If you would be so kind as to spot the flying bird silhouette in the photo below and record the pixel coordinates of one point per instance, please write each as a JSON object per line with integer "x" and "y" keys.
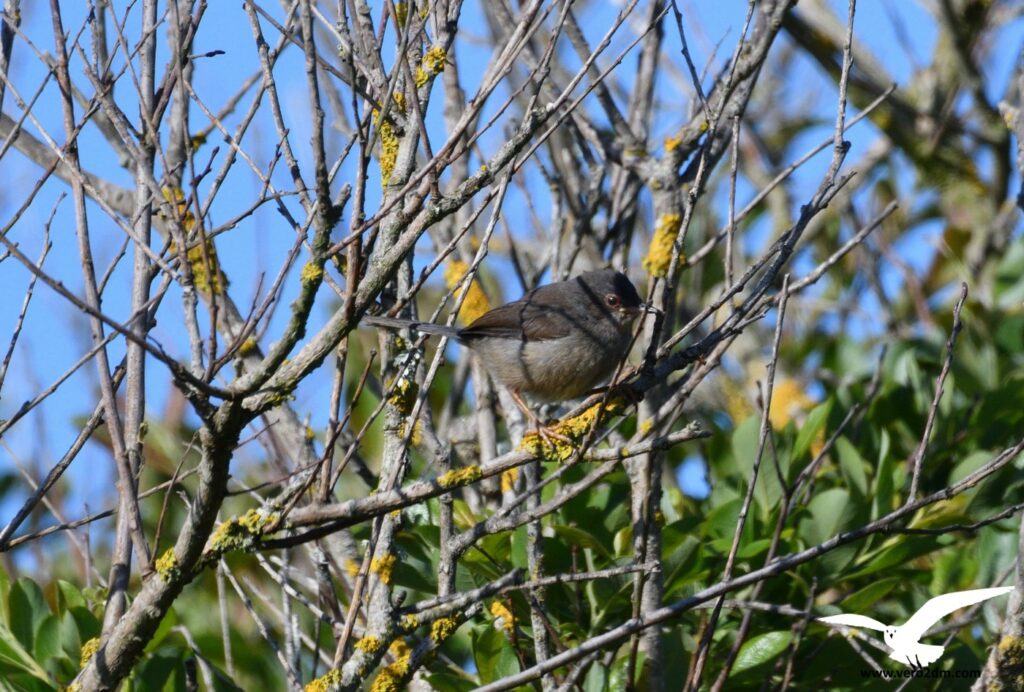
{"x": 904, "y": 641}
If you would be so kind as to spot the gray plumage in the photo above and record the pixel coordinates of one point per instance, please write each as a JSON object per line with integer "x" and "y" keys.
{"x": 557, "y": 342}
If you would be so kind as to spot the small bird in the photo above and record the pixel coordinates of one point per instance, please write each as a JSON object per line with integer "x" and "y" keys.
{"x": 556, "y": 342}
{"x": 905, "y": 639}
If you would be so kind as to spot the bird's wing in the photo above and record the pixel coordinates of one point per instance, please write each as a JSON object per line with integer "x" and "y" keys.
{"x": 534, "y": 317}
{"x": 851, "y": 620}
{"x": 939, "y": 607}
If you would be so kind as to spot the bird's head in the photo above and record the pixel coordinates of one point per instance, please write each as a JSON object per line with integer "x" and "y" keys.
{"x": 616, "y": 294}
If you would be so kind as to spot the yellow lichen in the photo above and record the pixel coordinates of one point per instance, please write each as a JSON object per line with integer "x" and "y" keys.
{"x": 503, "y": 618}
{"x": 409, "y": 622}
{"x": 388, "y": 152}
{"x": 382, "y": 567}
{"x": 351, "y": 567}
{"x": 399, "y": 648}
{"x": 88, "y": 649}
{"x": 1010, "y": 657}
{"x": 659, "y": 255}
{"x": 167, "y": 565}
{"x": 443, "y": 628}
{"x": 310, "y": 434}
{"x": 421, "y": 76}
{"x": 434, "y": 60}
{"x": 459, "y": 477}
{"x": 325, "y": 682}
{"x": 403, "y": 395}
{"x": 432, "y": 64}
{"x": 417, "y": 433}
{"x": 645, "y": 427}
{"x": 574, "y": 428}
{"x": 508, "y": 480}
{"x": 399, "y": 98}
{"x": 401, "y": 12}
{"x": 198, "y": 261}
{"x": 240, "y": 533}
{"x": 311, "y": 273}
{"x": 247, "y": 347}
{"x": 476, "y": 303}
{"x": 176, "y": 196}
{"x": 391, "y": 678}
{"x": 197, "y": 141}
{"x": 672, "y": 143}
{"x": 369, "y": 644}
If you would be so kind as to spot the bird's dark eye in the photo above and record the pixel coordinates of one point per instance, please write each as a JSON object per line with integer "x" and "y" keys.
{"x": 612, "y": 300}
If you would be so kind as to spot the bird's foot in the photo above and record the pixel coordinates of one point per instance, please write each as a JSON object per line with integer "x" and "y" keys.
{"x": 547, "y": 441}
{"x": 549, "y": 434}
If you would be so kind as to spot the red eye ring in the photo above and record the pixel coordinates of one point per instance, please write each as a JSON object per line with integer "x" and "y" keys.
{"x": 612, "y": 300}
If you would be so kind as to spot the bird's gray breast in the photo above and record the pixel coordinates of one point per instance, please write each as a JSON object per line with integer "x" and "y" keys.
{"x": 555, "y": 369}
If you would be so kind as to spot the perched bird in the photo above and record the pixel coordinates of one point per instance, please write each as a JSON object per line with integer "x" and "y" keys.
{"x": 905, "y": 640}
{"x": 556, "y": 342}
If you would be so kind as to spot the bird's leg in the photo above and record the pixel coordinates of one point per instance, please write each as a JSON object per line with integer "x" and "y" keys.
{"x": 545, "y": 432}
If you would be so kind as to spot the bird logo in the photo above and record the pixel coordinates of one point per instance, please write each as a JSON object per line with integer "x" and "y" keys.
{"x": 904, "y": 641}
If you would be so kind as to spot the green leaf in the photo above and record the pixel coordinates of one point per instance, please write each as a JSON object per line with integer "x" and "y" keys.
{"x": 744, "y": 449}
{"x": 852, "y": 465}
{"x": 577, "y": 536}
{"x": 968, "y": 465}
{"x": 882, "y": 502}
{"x": 47, "y": 639}
{"x": 5, "y": 591}
{"x": 618, "y": 679}
{"x": 14, "y": 658}
{"x": 68, "y": 596}
{"x": 761, "y": 649}
{"x": 901, "y": 553}
{"x": 721, "y": 520}
{"x": 596, "y": 679}
{"x": 28, "y": 608}
{"x": 155, "y": 673}
{"x": 753, "y": 549}
{"x": 493, "y": 655}
{"x": 812, "y": 426}
{"x": 70, "y": 640}
{"x": 862, "y": 600}
{"x": 520, "y": 540}
{"x": 830, "y": 510}
{"x": 446, "y": 682}
{"x": 163, "y": 629}
{"x": 86, "y": 622}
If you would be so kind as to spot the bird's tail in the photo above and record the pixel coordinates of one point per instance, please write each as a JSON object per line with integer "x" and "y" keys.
{"x": 423, "y": 327}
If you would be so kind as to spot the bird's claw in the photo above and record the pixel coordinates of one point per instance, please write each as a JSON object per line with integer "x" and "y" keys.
{"x": 548, "y": 434}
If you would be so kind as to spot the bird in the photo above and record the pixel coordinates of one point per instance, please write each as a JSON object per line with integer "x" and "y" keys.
{"x": 904, "y": 641}
{"x": 555, "y": 343}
